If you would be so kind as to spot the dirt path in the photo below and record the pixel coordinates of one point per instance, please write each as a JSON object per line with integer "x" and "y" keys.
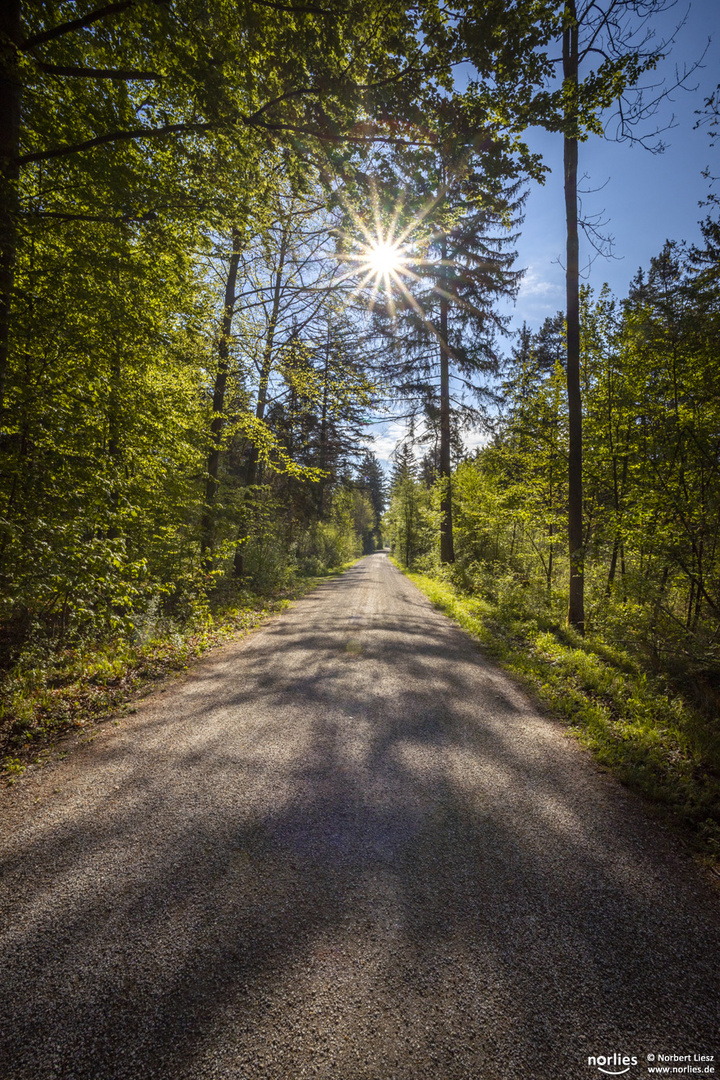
{"x": 344, "y": 847}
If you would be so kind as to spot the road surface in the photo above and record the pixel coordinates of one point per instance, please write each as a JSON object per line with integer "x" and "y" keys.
{"x": 346, "y": 846}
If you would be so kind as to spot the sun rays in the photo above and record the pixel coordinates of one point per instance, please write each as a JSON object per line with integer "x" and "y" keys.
{"x": 386, "y": 257}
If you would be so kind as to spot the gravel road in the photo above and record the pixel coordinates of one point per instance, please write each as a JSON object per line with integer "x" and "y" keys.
{"x": 346, "y": 846}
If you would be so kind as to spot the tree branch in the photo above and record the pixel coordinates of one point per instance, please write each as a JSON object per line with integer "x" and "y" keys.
{"x": 326, "y": 136}
{"x": 299, "y": 9}
{"x": 98, "y": 73}
{"x": 112, "y": 137}
{"x": 117, "y": 219}
{"x": 76, "y": 24}
{"x": 250, "y": 120}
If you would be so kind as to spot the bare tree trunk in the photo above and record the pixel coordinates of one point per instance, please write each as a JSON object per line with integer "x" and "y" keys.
{"x": 113, "y": 444}
{"x": 549, "y": 575}
{"x": 576, "y": 610}
{"x": 656, "y": 611}
{"x": 267, "y": 360}
{"x": 323, "y": 456}
{"x": 10, "y": 90}
{"x": 218, "y": 420}
{"x": 617, "y": 543}
{"x": 251, "y": 471}
{"x": 447, "y": 549}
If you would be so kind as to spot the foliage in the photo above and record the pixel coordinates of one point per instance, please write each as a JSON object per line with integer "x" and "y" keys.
{"x": 638, "y": 728}
{"x": 50, "y": 694}
{"x": 412, "y": 521}
{"x": 643, "y": 685}
{"x": 191, "y": 364}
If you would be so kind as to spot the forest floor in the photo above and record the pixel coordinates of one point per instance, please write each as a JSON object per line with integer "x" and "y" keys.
{"x": 50, "y": 694}
{"x": 638, "y": 725}
{"x": 346, "y": 846}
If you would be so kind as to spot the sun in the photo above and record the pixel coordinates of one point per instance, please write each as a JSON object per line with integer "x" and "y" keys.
{"x": 383, "y": 259}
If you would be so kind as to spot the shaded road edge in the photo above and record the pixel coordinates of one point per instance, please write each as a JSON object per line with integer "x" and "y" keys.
{"x": 83, "y": 707}
{"x": 656, "y": 764}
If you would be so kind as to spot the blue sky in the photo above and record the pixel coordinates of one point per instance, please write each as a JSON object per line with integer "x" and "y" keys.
{"x": 647, "y": 198}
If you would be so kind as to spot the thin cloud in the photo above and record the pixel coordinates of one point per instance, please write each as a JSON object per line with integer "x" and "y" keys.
{"x": 535, "y": 285}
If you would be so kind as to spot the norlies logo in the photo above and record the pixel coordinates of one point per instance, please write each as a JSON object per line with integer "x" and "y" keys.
{"x": 610, "y": 1064}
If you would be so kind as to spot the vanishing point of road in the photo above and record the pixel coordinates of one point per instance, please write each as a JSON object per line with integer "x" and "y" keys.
{"x": 346, "y": 846}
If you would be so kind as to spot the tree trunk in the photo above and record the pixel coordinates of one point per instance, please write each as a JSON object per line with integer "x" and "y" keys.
{"x": 10, "y": 89}
{"x": 617, "y": 543}
{"x": 267, "y": 360}
{"x": 576, "y": 610}
{"x": 549, "y": 575}
{"x": 447, "y": 550}
{"x": 656, "y": 611}
{"x": 218, "y": 419}
{"x": 251, "y": 471}
{"x": 113, "y": 444}
{"x": 323, "y": 455}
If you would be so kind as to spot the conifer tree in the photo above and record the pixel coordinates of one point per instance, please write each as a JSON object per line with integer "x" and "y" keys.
{"x": 440, "y": 319}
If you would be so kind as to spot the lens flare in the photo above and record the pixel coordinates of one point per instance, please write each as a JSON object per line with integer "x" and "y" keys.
{"x": 384, "y": 259}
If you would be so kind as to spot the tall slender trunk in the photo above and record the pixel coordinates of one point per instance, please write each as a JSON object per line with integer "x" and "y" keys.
{"x": 268, "y": 352}
{"x": 576, "y": 610}
{"x": 656, "y": 610}
{"x": 114, "y": 408}
{"x": 700, "y": 584}
{"x": 447, "y": 549}
{"x": 323, "y": 455}
{"x": 551, "y": 526}
{"x": 549, "y": 574}
{"x": 251, "y": 471}
{"x": 10, "y": 90}
{"x": 617, "y": 543}
{"x": 113, "y": 443}
{"x": 218, "y": 419}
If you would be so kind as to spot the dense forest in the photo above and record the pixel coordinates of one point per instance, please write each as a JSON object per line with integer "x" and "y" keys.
{"x": 651, "y": 449}
{"x": 236, "y": 237}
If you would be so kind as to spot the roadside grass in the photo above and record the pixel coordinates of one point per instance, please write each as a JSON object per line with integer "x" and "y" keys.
{"x": 648, "y": 737}
{"x": 46, "y": 696}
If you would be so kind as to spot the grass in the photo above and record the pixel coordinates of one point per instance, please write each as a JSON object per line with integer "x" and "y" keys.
{"x": 648, "y": 737}
{"x": 44, "y": 697}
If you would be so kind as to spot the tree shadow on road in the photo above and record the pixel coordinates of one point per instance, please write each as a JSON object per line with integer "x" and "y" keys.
{"x": 375, "y": 862}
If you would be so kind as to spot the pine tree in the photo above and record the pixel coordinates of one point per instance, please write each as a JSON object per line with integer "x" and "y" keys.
{"x": 440, "y": 320}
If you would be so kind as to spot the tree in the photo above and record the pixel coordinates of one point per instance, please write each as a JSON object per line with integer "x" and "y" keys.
{"x": 208, "y": 85}
{"x": 371, "y": 480}
{"x": 218, "y": 396}
{"x": 605, "y": 48}
{"x": 406, "y": 520}
{"x": 438, "y": 315}
{"x": 612, "y": 38}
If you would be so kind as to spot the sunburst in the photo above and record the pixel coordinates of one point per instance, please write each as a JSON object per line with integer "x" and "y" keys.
{"x": 385, "y": 260}
{"x": 382, "y": 259}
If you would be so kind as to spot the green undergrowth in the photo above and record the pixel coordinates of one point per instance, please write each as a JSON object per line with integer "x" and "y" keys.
{"x": 49, "y": 694}
{"x": 646, "y": 735}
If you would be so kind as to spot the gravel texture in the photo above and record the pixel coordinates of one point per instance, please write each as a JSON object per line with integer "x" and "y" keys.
{"x": 346, "y": 846}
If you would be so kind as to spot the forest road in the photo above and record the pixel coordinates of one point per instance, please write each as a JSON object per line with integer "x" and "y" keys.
{"x": 346, "y": 846}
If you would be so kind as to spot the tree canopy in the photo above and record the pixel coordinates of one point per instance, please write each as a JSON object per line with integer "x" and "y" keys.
{"x": 197, "y": 339}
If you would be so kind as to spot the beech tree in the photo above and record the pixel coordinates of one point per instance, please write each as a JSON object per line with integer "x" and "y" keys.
{"x": 208, "y": 86}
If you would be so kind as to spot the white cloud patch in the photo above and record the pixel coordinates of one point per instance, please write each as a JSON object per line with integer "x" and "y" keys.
{"x": 389, "y": 435}
{"x": 473, "y": 440}
{"x": 533, "y": 284}
{"x": 387, "y": 438}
